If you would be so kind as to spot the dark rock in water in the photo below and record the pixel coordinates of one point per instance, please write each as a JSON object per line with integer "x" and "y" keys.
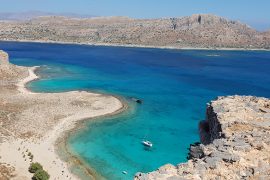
{"x": 137, "y": 100}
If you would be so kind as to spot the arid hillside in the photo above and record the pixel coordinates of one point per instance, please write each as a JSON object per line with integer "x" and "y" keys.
{"x": 197, "y": 31}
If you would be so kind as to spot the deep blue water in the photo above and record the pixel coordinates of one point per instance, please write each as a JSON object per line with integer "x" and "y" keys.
{"x": 175, "y": 86}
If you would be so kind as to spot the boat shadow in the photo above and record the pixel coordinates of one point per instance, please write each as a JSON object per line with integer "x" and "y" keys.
{"x": 149, "y": 149}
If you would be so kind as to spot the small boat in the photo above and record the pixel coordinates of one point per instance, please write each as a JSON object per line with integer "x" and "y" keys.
{"x": 124, "y": 172}
{"x": 147, "y": 143}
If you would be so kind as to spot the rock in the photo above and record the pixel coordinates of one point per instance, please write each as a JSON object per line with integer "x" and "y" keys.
{"x": 244, "y": 148}
{"x": 204, "y": 132}
{"x": 169, "y": 168}
{"x": 137, "y": 100}
{"x": 211, "y": 162}
{"x": 195, "y": 151}
{"x": 4, "y": 59}
{"x": 140, "y": 176}
{"x": 175, "y": 178}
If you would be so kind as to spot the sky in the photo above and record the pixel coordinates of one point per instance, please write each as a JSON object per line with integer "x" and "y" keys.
{"x": 253, "y": 12}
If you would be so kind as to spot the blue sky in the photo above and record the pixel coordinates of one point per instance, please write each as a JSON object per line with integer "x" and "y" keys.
{"x": 254, "y": 12}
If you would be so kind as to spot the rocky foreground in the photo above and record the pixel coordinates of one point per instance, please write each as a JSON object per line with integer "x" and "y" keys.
{"x": 235, "y": 143}
{"x": 196, "y": 31}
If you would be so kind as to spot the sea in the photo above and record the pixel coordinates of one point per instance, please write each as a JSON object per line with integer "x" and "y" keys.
{"x": 174, "y": 87}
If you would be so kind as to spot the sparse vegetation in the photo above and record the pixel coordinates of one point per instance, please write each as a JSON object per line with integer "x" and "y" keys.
{"x": 34, "y": 167}
{"x": 31, "y": 157}
{"x": 39, "y": 172}
{"x": 41, "y": 175}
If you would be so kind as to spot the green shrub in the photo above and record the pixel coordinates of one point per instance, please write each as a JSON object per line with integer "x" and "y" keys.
{"x": 41, "y": 175}
{"x": 34, "y": 167}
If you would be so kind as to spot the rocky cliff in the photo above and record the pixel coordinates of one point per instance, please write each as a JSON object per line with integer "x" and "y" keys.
{"x": 235, "y": 143}
{"x": 9, "y": 72}
{"x": 196, "y": 31}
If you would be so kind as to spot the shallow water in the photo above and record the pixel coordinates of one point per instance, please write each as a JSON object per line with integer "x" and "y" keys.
{"x": 175, "y": 86}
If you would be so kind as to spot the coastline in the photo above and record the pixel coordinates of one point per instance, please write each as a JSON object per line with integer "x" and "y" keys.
{"x": 32, "y": 76}
{"x": 138, "y": 46}
{"x": 72, "y": 128}
{"x": 45, "y": 148}
{"x": 66, "y": 154}
{"x": 66, "y": 133}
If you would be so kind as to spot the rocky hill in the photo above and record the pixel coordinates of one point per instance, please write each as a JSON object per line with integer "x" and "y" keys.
{"x": 266, "y": 34}
{"x": 196, "y": 31}
{"x": 27, "y": 15}
{"x": 235, "y": 143}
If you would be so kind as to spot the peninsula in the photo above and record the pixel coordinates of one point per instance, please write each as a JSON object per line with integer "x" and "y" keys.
{"x": 202, "y": 31}
{"x": 31, "y": 123}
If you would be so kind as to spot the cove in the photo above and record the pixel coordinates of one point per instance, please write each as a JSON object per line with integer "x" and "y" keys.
{"x": 174, "y": 85}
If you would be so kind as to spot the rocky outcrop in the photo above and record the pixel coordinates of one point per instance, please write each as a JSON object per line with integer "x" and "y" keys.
{"x": 235, "y": 143}
{"x": 4, "y": 59}
{"x": 9, "y": 71}
{"x": 196, "y": 31}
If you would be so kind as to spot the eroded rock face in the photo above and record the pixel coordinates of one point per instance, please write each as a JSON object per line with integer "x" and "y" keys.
{"x": 236, "y": 143}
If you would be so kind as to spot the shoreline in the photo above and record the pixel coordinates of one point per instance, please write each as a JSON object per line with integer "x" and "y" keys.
{"x": 31, "y": 77}
{"x": 137, "y": 46}
{"x": 45, "y": 148}
{"x": 66, "y": 133}
{"x": 67, "y": 153}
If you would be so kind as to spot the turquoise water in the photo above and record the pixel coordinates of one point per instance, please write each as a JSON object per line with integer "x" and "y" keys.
{"x": 175, "y": 86}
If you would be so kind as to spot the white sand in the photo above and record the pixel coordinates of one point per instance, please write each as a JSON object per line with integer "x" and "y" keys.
{"x": 43, "y": 149}
{"x": 32, "y": 76}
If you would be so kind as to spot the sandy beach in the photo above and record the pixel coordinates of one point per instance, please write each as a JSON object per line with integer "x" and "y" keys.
{"x": 33, "y": 122}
